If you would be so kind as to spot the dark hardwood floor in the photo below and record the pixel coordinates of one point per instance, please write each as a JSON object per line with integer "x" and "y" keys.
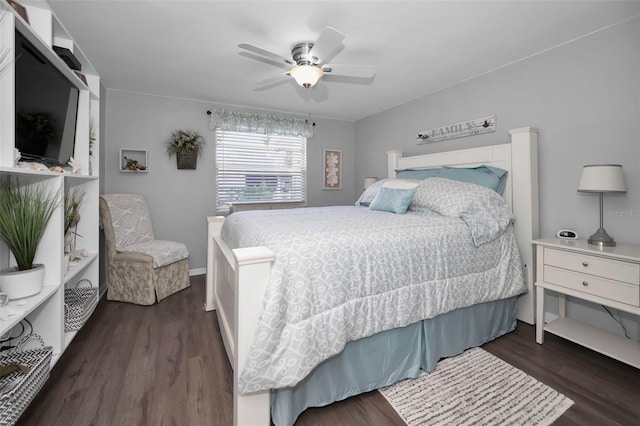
{"x": 165, "y": 365}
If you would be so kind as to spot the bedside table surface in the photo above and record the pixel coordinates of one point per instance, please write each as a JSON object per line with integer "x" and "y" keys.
{"x": 621, "y": 251}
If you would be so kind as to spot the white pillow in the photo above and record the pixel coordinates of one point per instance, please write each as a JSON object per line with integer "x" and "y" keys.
{"x": 401, "y": 183}
{"x": 370, "y": 193}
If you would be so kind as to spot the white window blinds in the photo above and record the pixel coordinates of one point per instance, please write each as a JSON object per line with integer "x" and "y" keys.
{"x": 254, "y": 167}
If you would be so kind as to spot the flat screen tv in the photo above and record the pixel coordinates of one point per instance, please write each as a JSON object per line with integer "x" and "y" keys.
{"x": 46, "y": 108}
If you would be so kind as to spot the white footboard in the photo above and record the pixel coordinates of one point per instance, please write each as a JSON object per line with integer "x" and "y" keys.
{"x": 236, "y": 282}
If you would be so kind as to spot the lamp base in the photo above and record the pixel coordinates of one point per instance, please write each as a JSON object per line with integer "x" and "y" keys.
{"x": 602, "y": 239}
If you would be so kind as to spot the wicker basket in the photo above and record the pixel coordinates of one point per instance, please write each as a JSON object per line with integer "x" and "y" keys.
{"x": 17, "y": 390}
{"x": 79, "y": 303}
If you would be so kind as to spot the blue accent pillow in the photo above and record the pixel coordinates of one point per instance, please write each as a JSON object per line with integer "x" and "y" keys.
{"x": 417, "y": 173}
{"x": 490, "y": 177}
{"x": 393, "y": 200}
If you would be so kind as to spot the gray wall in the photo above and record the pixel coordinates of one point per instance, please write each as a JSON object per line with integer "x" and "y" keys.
{"x": 585, "y": 99}
{"x": 180, "y": 200}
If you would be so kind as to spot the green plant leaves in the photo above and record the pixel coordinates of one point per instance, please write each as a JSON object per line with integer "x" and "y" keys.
{"x": 25, "y": 211}
{"x": 184, "y": 141}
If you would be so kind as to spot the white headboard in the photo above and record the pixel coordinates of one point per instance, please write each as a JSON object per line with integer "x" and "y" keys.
{"x": 520, "y": 159}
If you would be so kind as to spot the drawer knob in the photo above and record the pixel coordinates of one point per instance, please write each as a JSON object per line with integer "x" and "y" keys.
{"x": 585, "y": 283}
{"x": 585, "y": 264}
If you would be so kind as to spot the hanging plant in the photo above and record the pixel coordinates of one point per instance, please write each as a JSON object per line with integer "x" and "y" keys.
{"x": 187, "y": 145}
{"x": 185, "y": 142}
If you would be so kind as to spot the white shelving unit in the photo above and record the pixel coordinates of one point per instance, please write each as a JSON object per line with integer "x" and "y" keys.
{"x": 45, "y": 311}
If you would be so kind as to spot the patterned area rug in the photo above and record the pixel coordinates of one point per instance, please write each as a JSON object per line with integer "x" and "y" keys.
{"x": 475, "y": 388}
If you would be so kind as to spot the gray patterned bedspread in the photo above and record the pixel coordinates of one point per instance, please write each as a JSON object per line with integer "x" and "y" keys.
{"x": 344, "y": 273}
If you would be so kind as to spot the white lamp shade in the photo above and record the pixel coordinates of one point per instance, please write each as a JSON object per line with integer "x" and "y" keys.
{"x": 369, "y": 181}
{"x": 602, "y": 178}
{"x": 306, "y": 75}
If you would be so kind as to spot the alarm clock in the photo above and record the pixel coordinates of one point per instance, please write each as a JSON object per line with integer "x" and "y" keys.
{"x": 567, "y": 234}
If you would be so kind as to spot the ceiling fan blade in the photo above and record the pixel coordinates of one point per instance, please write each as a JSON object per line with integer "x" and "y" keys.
{"x": 272, "y": 80}
{"x": 360, "y": 71}
{"x": 269, "y": 55}
{"x": 264, "y": 60}
{"x": 329, "y": 42}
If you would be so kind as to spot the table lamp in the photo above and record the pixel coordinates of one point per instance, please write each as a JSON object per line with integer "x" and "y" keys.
{"x": 602, "y": 178}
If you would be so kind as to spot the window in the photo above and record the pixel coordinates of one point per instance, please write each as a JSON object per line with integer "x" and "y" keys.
{"x": 254, "y": 167}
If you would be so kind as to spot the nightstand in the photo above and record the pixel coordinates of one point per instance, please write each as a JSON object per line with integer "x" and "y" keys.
{"x": 608, "y": 276}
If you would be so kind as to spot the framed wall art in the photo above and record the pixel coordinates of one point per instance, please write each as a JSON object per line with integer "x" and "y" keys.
{"x": 134, "y": 160}
{"x": 332, "y": 169}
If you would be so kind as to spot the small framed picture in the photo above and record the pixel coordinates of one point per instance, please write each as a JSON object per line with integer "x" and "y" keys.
{"x": 134, "y": 160}
{"x": 332, "y": 169}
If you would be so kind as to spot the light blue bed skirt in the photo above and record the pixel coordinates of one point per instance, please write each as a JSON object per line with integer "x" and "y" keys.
{"x": 390, "y": 356}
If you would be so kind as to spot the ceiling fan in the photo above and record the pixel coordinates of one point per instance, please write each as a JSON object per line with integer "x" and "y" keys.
{"x": 308, "y": 62}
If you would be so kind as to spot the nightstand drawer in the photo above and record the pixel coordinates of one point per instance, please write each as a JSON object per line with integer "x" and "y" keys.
{"x": 593, "y": 265}
{"x": 590, "y": 284}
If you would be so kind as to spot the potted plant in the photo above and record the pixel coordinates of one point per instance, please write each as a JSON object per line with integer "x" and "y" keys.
{"x": 187, "y": 145}
{"x": 72, "y": 202}
{"x": 92, "y": 139}
{"x": 25, "y": 211}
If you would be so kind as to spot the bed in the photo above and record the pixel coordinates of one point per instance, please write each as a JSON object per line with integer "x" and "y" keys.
{"x": 244, "y": 286}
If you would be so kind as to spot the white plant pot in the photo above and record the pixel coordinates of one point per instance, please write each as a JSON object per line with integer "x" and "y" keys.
{"x": 18, "y": 284}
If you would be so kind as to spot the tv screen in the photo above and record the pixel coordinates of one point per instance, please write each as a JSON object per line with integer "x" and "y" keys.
{"x": 46, "y": 108}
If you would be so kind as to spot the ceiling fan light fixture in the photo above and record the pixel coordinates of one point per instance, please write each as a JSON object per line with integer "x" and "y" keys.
{"x": 306, "y": 75}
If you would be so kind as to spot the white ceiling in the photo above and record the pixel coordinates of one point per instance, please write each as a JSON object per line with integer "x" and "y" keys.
{"x": 188, "y": 49}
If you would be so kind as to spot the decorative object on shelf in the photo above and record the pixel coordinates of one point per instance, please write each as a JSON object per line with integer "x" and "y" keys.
{"x": 134, "y": 160}
{"x": 81, "y": 77}
{"x": 602, "y": 178}
{"x": 79, "y": 303}
{"x": 458, "y": 130}
{"x": 20, "y": 9}
{"x": 332, "y": 169}
{"x": 18, "y": 388}
{"x": 32, "y": 165}
{"x": 68, "y": 57}
{"x": 24, "y": 214}
{"x": 77, "y": 256}
{"x": 72, "y": 203}
{"x": 19, "y": 284}
{"x": 75, "y": 165}
{"x": 187, "y": 145}
{"x": 132, "y": 165}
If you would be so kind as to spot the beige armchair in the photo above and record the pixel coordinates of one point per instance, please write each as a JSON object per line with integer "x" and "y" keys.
{"x": 141, "y": 269}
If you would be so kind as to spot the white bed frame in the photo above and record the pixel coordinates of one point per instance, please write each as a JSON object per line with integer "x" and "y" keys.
{"x": 236, "y": 279}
